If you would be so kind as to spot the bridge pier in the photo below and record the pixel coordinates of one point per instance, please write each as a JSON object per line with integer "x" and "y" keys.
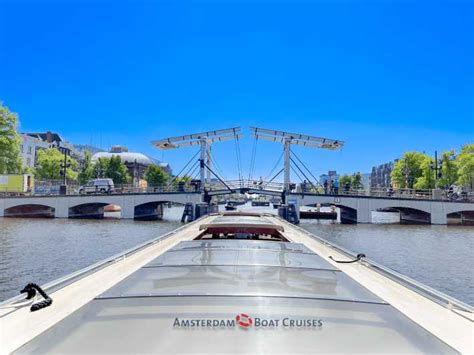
{"x": 364, "y": 212}
{"x": 439, "y": 218}
{"x": 61, "y": 209}
{"x": 128, "y": 211}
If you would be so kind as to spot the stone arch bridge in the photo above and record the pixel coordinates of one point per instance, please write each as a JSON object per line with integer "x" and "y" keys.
{"x": 133, "y": 205}
{"x": 358, "y": 209}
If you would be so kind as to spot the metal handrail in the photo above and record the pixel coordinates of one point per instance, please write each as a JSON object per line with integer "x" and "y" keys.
{"x": 427, "y": 291}
{"x": 63, "y": 281}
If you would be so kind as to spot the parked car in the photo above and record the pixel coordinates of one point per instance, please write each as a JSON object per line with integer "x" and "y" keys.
{"x": 103, "y": 186}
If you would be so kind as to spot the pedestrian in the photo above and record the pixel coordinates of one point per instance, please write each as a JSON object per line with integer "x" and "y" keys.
{"x": 303, "y": 186}
{"x": 325, "y": 187}
{"x": 336, "y": 186}
{"x": 347, "y": 187}
{"x": 331, "y": 187}
{"x": 390, "y": 190}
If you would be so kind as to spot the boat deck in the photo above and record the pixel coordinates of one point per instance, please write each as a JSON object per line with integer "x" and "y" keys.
{"x": 179, "y": 294}
{"x": 191, "y": 298}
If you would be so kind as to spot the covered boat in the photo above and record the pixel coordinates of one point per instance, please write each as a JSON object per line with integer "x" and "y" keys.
{"x": 237, "y": 283}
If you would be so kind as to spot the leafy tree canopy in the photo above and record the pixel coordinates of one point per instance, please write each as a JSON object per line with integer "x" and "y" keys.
{"x": 409, "y": 169}
{"x": 10, "y": 160}
{"x": 112, "y": 168}
{"x": 87, "y": 171}
{"x": 155, "y": 175}
{"x": 48, "y": 165}
{"x": 344, "y": 180}
{"x": 356, "y": 181}
{"x": 465, "y": 165}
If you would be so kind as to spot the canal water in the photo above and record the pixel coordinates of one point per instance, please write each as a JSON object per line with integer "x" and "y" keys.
{"x": 41, "y": 250}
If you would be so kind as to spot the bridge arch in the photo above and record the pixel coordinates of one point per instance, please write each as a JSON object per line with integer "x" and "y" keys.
{"x": 32, "y": 210}
{"x": 347, "y": 214}
{"x": 409, "y": 215}
{"x": 461, "y": 217}
{"x": 152, "y": 210}
{"x": 89, "y": 210}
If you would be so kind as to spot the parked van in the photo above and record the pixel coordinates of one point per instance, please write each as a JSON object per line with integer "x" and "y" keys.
{"x": 103, "y": 186}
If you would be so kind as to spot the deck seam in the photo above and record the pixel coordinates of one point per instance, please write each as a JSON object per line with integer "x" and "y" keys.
{"x": 241, "y": 296}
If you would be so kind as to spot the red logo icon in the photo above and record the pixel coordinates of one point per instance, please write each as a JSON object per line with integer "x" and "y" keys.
{"x": 244, "y": 320}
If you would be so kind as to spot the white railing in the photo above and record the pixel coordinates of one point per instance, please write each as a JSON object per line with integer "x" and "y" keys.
{"x": 48, "y": 188}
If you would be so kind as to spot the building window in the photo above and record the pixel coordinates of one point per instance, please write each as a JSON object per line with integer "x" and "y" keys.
{"x": 29, "y": 149}
{"x": 28, "y": 161}
{"x": 21, "y": 147}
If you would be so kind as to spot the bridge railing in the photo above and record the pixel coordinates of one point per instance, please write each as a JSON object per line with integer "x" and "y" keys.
{"x": 247, "y": 184}
{"x": 129, "y": 188}
{"x": 424, "y": 194}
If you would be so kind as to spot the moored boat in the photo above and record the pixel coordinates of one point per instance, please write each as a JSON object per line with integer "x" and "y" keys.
{"x": 230, "y": 206}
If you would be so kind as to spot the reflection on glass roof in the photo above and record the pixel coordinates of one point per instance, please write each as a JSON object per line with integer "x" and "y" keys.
{"x": 241, "y": 281}
{"x": 220, "y": 256}
{"x": 230, "y": 282}
{"x": 242, "y": 244}
{"x": 148, "y": 325}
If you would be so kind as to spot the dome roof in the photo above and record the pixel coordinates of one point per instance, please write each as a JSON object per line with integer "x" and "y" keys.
{"x": 126, "y": 157}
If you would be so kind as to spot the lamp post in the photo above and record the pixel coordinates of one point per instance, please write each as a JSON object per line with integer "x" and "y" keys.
{"x": 63, "y": 172}
{"x": 437, "y": 166}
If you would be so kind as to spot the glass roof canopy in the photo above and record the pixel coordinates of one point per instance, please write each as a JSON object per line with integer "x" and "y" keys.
{"x": 272, "y": 283}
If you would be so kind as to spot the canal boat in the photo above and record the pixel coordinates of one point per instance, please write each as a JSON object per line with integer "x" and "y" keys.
{"x": 260, "y": 203}
{"x": 310, "y": 214}
{"x": 235, "y": 283}
{"x": 230, "y": 206}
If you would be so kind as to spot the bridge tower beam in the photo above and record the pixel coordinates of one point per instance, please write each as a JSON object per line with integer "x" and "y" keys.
{"x": 286, "y": 167}
{"x": 209, "y": 165}
{"x": 201, "y": 163}
{"x": 204, "y": 140}
{"x": 288, "y": 139}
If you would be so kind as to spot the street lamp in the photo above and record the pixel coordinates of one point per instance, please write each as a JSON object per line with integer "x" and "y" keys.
{"x": 63, "y": 172}
{"x": 437, "y": 166}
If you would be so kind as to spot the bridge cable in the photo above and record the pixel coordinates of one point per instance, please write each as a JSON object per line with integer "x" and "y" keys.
{"x": 192, "y": 169}
{"x": 217, "y": 166}
{"x": 296, "y": 172}
{"x": 217, "y": 176}
{"x": 189, "y": 162}
{"x": 302, "y": 172}
{"x": 252, "y": 159}
{"x": 274, "y": 177}
{"x": 314, "y": 177}
{"x": 237, "y": 153}
{"x": 274, "y": 167}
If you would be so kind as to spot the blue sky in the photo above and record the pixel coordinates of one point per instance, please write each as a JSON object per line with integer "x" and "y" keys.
{"x": 384, "y": 76}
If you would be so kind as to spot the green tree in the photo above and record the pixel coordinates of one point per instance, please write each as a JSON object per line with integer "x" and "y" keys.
{"x": 48, "y": 165}
{"x": 449, "y": 172}
{"x": 10, "y": 161}
{"x": 427, "y": 180}
{"x": 343, "y": 180}
{"x": 87, "y": 171}
{"x": 117, "y": 170}
{"x": 100, "y": 168}
{"x": 155, "y": 175}
{"x": 356, "y": 181}
{"x": 411, "y": 167}
{"x": 177, "y": 179}
{"x": 465, "y": 165}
